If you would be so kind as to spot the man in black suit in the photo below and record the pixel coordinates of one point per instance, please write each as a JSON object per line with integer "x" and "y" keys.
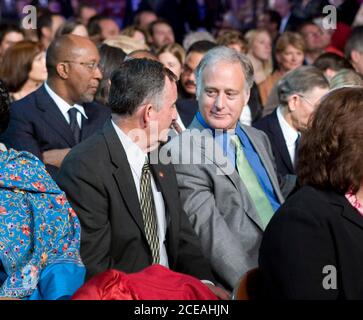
{"x": 54, "y": 118}
{"x": 299, "y": 92}
{"x": 127, "y": 223}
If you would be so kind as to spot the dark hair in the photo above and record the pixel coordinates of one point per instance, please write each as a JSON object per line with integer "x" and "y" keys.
{"x": 201, "y": 46}
{"x": 331, "y": 150}
{"x": 4, "y": 107}
{"x": 111, "y": 59}
{"x": 355, "y": 42}
{"x": 45, "y": 21}
{"x": 330, "y": 60}
{"x": 20, "y": 56}
{"x": 7, "y": 28}
{"x": 274, "y": 17}
{"x": 93, "y": 26}
{"x": 68, "y": 27}
{"x": 137, "y": 81}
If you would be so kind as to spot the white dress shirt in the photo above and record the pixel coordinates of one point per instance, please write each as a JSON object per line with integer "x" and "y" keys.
{"x": 64, "y": 106}
{"x": 136, "y": 158}
{"x": 289, "y": 133}
{"x": 246, "y": 116}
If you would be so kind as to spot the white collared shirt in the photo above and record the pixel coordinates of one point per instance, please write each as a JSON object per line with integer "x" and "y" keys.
{"x": 136, "y": 158}
{"x": 64, "y": 106}
{"x": 289, "y": 133}
{"x": 283, "y": 23}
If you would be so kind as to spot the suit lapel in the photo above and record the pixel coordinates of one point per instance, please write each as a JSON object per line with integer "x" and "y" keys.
{"x": 163, "y": 177}
{"x": 233, "y": 177}
{"x": 123, "y": 174}
{"x": 280, "y": 143}
{"x": 215, "y": 153}
{"x": 52, "y": 115}
{"x": 264, "y": 157}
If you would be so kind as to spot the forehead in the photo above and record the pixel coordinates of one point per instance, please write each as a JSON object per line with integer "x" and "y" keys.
{"x": 85, "y": 50}
{"x": 224, "y": 75}
{"x": 13, "y": 36}
{"x": 161, "y": 27}
{"x": 193, "y": 59}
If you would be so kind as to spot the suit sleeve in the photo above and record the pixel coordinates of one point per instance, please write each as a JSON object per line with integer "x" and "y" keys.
{"x": 92, "y": 209}
{"x": 296, "y": 247}
{"x": 20, "y": 134}
{"x": 190, "y": 259}
{"x": 220, "y": 243}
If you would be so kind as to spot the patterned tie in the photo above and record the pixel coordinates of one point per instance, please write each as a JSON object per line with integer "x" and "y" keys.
{"x": 73, "y": 123}
{"x": 148, "y": 212}
{"x": 249, "y": 178}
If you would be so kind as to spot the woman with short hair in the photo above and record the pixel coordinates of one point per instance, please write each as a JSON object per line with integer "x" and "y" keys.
{"x": 312, "y": 247}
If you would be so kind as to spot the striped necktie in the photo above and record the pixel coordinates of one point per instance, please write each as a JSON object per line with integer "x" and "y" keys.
{"x": 149, "y": 213}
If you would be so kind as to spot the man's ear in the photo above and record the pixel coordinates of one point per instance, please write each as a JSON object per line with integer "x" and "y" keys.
{"x": 292, "y": 102}
{"x": 147, "y": 114}
{"x": 63, "y": 70}
{"x": 355, "y": 56}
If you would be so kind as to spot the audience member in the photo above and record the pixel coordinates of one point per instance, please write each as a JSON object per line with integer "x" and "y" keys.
{"x": 259, "y": 51}
{"x": 47, "y": 25}
{"x": 299, "y": 93}
{"x": 9, "y": 34}
{"x": 312, "y": 36}
{"x": 289, "y": 52}
{"x": 226, "y": 175}
{"x": 72, "y": 26}
{"x": 30, "y": 72}
{"x": 186, "y": 104}
{"x": 126, "y": 199}
{"x": 172, "y": 56}
{"x": 127, "y": 44}
{"x": 311, "y": 248}
{"x": 233, "y": 39}
{"x": 58, "y": 115}
{"x": 330, "y": 63}
{"x": 40, "y": 232}
{"x": 136, "y": 33}
{"x": 101, "y": 28}
{"x": 110, "y": 60}
{"x": 161, "y": 33}
{"x": 354, "y": 49}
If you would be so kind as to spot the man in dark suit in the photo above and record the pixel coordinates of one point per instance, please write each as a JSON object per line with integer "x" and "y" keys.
{"x": 299, "y": 92}
{"x": 126, "y": 199}
{"x": 54, "y": 118}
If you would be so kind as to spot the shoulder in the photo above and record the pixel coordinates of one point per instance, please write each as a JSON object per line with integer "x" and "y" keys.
{"x": 97, "y": 107}
{"x": 312, "y": 203}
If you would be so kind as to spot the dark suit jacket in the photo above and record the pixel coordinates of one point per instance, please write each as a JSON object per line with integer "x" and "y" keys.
{"x": 313, "y": 229}
{"x": 98, "y": 181}
{"x": 37, "y": 125}
{"x": 271, "y": 126}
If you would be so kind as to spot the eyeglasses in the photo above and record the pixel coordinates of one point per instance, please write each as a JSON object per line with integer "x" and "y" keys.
{"x": 307, "y": 100}
{"x": 90, "y": 65}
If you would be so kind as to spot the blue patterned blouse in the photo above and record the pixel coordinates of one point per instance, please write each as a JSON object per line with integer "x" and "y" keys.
{"x": 39, "y": 232}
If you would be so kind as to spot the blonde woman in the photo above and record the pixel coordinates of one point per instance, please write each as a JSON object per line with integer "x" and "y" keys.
{"x": 259, "y": 51}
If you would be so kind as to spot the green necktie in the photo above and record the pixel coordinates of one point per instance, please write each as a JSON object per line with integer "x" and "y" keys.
{"x": 148, "y": 212}
{"x": 249, "y": 178}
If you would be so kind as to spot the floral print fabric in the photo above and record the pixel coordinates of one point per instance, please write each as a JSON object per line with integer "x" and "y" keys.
{"x": 38, "y": 229}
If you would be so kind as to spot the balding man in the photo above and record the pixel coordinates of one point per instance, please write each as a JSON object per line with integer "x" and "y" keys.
{"x": 54, "y": 118}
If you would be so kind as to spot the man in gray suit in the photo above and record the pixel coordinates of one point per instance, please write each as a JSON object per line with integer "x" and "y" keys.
{"x": 226, "y": 172}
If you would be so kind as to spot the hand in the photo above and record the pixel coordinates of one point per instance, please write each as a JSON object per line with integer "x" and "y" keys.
{"x": 219, "y": 292}
{"x": 55, "y": 157}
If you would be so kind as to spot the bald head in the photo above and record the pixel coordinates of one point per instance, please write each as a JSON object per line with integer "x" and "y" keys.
{"x": 67, "y": 48}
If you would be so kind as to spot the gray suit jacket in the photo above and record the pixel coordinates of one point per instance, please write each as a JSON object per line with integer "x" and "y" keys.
{"x": 216, "y": 201}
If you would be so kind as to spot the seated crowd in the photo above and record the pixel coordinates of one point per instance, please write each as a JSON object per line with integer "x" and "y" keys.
{"x": 129, "y": 159}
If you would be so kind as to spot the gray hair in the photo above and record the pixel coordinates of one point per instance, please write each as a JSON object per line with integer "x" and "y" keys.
{"x": 355, "y": 42}
{"x": 224, "y": 54}
{"x": 300, "y": 80}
